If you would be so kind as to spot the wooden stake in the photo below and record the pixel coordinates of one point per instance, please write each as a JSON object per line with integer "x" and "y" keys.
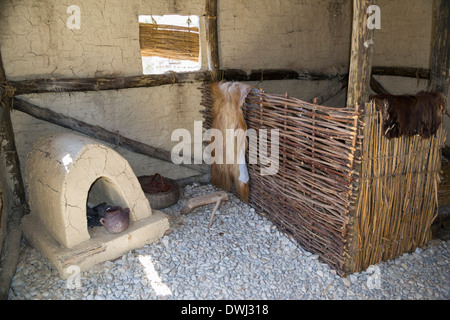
{"x": 100, "y": 133}
{"x": 193, "y": 203}
{"x": 440, "y": 47}
{"x": 212, "y": 42}
{"x": 440, "y": 55}
{"x": 11, "y": 166}
{"x": 204, "y": 178}
{"x": 358, "y": 92}
{"x": 361, "y": 55}
{"x": 213, "y": 213}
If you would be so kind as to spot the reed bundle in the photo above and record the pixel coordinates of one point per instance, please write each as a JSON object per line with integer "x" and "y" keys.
{"x": 342, "y": 191}
{"x": 398, "y": 198}
{"x": 167, "y": 41}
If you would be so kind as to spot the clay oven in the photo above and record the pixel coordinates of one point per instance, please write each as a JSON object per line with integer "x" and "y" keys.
{"x": 65, "y": 173}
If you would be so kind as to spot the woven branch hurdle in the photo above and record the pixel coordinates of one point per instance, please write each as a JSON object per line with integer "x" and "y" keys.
{"x": 167, "y": 41}
{"x": 342, "y": 191}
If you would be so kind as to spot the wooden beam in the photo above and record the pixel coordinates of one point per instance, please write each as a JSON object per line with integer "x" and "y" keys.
{"x": 212, "y": 41}
{"x": 97, "y": 84}
{"x": 440, "y": 47}
{"x": 202, "y": 179}
{"x": 438, "y": 74}
{"x": 439, "y": 77}
{"x": 358, "y": 95}
{"x": 11, "y": 166}
{"x": 100, "y": 133}
{"x": 361, "y": 55}
{"x": 418, "y": 73}
{"x": 377, "y": 87}
{"x": 332, "y": 92}
{"x": 277, "y": 74}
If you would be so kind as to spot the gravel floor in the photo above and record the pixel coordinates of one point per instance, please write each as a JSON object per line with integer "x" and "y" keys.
{"x": 242, "y": 256}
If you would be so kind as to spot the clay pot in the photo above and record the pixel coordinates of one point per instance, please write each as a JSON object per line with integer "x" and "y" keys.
{"x": 160, "y": 191}
{"x": 116, "y": 219}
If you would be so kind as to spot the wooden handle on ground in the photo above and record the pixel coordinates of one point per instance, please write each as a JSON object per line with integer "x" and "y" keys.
{"x": 202, "y": 200}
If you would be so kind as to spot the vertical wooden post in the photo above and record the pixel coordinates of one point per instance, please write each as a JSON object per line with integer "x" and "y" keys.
{"x": 440, "y": 47}
{"x": 212, "y": 41}
{"x": 361, "y": 55}
{"x": 11, "y": 166}
{"x": 439, "y": 58}
{"x": 357, "y": 96}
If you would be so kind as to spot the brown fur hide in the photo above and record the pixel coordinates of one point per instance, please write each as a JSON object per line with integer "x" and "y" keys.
{"x": 228, "y": 98}
{"x": 411, "y": 114}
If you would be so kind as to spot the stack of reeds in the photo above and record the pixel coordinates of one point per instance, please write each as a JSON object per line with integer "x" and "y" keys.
{"x": 167, "y": 41}
{"x": 342, "y": 191}
{"x": 398, "y": 198}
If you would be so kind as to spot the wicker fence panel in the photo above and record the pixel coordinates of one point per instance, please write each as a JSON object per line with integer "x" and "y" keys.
{"x": 343, "y": 190}
{"x": 311, "y": 195}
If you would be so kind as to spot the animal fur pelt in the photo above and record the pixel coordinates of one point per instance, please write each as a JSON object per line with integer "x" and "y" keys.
{"x": 411, "y": 114}
{"x": 228, "y": 98}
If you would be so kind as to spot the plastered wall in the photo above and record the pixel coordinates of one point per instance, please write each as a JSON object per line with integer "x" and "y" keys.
{"x": 310, "y": 35}
{"x": 36, "y": 43}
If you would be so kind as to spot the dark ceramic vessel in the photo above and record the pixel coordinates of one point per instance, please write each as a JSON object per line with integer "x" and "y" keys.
{"x": 116, "y": 220}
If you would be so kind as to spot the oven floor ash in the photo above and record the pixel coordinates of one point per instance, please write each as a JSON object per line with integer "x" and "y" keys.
{"x": 242, "y": 256}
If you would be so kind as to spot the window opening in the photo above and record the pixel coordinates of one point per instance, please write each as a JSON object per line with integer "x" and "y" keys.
{"x": 169, "y": 43}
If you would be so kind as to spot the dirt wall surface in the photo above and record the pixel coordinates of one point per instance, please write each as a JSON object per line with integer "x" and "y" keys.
{"x": 36, "y": 41}
{"x": 306, "y": 35}
{"x": 309, "y": 35}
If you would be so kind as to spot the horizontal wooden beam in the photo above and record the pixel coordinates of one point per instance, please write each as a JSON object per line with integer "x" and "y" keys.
{"x": 407, "y": 72}
{"x": 97, "y": 84}
{"x": 276, "y": 74}
{"x": 204, "y": 178}
{"x": 100, "y": 133}
{"x": 145, "y": 81}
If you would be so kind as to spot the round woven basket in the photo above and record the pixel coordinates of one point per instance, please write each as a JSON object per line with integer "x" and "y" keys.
{"x": 161, "y": 199}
